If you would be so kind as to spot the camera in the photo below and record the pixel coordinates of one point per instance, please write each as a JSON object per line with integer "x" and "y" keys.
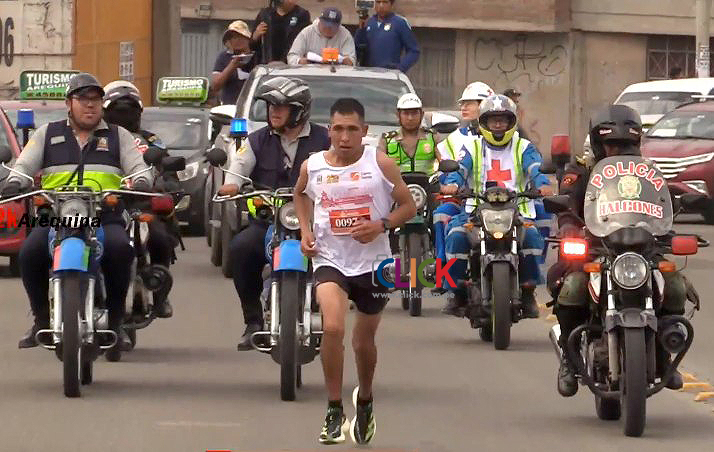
{"x": 363, "y": 7}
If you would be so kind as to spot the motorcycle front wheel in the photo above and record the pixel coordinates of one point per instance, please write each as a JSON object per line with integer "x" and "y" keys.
{"x": 290, "y": 297}
{"x": 71, "y": 287}
{"x": 634, "y": 376}
{"x": 411, "y": 296}
{"x": 501, "y": 305}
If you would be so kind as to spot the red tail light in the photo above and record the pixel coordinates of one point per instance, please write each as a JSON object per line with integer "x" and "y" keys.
{"x": 162, "y": 205}
{"x": 574, "y": 248}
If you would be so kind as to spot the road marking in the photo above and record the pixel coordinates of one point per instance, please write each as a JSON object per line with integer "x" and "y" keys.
{"x": 704, "y": 396}
{"x": 197, "y": 424}
{"x": 697, "y": 386}
{"x": 689, "y": 378}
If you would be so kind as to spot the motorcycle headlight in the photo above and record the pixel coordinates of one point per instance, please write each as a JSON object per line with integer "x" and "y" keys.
{"x": 630, "y": 271}
{"x": 418, "y": 194}
{"x": 188, "y": 173}
{"x": 74, "y": 208}
{"x": 288, "y": 217}
{"x": 497, "y": 221}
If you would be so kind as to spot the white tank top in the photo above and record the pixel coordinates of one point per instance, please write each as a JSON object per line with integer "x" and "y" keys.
{"x": 341, "y": 196}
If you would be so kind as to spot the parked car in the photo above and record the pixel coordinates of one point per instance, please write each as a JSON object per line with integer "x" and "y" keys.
{"x": 45, "y": 111}
{"x": 11, "y": 234}
{"x": 378, "y": 89}
{"x": 186, "y": 133}
{"x": 682, "y": 146}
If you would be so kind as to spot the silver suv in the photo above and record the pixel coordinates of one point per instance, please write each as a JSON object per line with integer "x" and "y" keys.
{"x": 377, "y": 89}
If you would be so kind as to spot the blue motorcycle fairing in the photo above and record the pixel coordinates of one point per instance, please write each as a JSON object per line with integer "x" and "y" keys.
{"x": 98, "y": 234}
{"x": 71, "y": 254}
{"x": 288, "y": 256}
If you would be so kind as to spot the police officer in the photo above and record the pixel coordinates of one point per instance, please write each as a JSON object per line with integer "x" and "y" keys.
{"x": 499, "y": 155}
{"x": 108, "y": 153}
{"x": 270, "y": 156}
{"x": 123, "y": 107}
{"x": 616, "y": 130}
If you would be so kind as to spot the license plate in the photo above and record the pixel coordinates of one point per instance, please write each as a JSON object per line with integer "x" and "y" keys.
{"x": 342, "y": 221}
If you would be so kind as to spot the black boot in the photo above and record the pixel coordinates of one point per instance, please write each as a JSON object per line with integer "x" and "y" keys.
{"x": 528, "y": 303}
{"x": 455, "y": 305}
{"x": 244, "y": 343}
{"x": 163, "y": 309}
{"x": 567, "y": 382}
{"x": 28, "y": 340}
{"x": 663, "y": 362}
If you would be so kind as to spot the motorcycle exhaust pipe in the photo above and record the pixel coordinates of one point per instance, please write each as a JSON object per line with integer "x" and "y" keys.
{"x": 554, "y": 335}
{"x": 673, "y": 337}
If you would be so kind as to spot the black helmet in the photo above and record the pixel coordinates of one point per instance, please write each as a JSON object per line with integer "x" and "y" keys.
{"x": 81, "y": 81}
{"x": 288, "y": 91}
{"x": 618, "y": 123}
{"x": 121, "y": 89}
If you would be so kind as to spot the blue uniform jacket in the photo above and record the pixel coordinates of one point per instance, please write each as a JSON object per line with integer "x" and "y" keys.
{"x": 385, "y": 41}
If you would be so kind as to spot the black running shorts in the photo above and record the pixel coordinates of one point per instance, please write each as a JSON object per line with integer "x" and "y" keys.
{"x": 370, "y": 298}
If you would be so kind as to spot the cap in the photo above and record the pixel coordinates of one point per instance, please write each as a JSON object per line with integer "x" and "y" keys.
{"x": 511, "y": 92}
{"x": 332, "y": 16}
{"x": 409, "y": 101}
{"x": 239, "y": 27}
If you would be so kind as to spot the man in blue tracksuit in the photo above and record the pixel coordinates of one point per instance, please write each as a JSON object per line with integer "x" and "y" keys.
{"x": 499, "y": 156}
{"x": 382, "y": 39}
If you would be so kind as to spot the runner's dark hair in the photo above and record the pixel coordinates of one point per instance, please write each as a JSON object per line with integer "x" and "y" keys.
{"x": 347, "y": 106}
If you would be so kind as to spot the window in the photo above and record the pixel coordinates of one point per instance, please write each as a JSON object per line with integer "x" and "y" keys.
{"x": 667, "y": 52}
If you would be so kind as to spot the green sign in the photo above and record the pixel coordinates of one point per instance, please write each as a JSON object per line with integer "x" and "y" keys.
{"x": 44, "y": 85}
{"x": 182, "y": 90}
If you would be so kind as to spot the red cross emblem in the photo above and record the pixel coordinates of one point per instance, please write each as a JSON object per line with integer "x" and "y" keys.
{"x": 497, "y": 174}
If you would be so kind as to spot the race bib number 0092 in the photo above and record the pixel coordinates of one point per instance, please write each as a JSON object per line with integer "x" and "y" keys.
{"x": 342, "y": 221}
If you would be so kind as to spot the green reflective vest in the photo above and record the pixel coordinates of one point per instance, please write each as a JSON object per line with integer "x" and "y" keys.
{"x": 424, "y": 158}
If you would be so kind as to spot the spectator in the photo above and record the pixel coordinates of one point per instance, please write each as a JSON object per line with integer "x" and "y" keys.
{"x": 676, "y": 72}
{"x": 233, "y": 65}
{"x": 382, "y": 38}
{"x": 326, "y": 32}
{"x": 276, "y": 29}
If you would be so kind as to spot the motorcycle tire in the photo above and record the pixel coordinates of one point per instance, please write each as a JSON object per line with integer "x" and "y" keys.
{"x": 87, "y": 372}
{"x": 288, "y": 339}
{"x": 607, "y": 409}
{"x": 415, "y": 250}
{"x": 501, "y": 315}
{"x": 71, "y": 287}
{"x": 216, "y": 249}
{"x": 486, "y": 333}
{"x": 226, "y": 236}
{"x": 634, "y": 376}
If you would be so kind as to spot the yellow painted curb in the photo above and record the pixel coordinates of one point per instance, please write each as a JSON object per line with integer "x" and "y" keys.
{"x": 702, "y": 396}
{"x": 551, "y": 318}
{"x": 698, "y": 386}
{"x": 542, "y": 306}
{"x": 689, "y": 378}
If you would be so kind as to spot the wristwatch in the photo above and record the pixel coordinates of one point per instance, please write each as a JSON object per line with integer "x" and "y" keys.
{"x": 385, "y": 224}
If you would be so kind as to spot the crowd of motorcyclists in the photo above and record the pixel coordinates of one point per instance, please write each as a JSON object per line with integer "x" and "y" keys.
{"x": 102, "y": 141}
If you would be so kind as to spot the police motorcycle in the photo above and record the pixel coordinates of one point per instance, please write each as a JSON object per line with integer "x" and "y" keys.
{"x": 628, "y": 217}
{"x": 146, "y": 278}
{"x": 493, "y": 290}
{"x": 294, "y": 322}
{"x": 79, "y": 323}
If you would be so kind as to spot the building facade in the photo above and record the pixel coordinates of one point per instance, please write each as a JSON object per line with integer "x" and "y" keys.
{"x": 567, "y": 57}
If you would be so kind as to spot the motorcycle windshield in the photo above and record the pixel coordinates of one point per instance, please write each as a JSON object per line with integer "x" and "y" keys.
{"x": 627, "y": 192}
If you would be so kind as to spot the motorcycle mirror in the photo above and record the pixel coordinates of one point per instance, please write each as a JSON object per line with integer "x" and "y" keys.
{"x": 547, "y": 168}
{"x": 153, "y": 155}
{"x": 173, "y": 163}
{"x": 5, "y": 153}
{"x": 694, "y": 201}
{"x": 448, "y": 166}
{"x": 684, "y": 245}
{"x": 216, "y": 156}
{"x": 556, "y": 204}
{"x": 443, "y": 123}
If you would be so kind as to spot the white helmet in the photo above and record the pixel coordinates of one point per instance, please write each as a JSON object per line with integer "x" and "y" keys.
{"x": 409, "y": 101}
{"x": 476, "y": 91}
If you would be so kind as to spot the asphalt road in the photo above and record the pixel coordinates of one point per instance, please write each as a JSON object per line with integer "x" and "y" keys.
{"x": 438, "y": 387}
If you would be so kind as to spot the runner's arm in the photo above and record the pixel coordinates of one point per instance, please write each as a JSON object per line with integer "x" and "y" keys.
{"x": 303, "y": 209}
{"x": 406, "y": 208}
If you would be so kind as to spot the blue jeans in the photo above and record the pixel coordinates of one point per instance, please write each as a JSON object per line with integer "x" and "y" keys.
{"x": 458, "y": 247}
{"x": 441, "y": 217}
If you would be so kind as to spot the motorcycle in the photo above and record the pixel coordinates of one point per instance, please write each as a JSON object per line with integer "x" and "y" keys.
{"x": 492, "y": 285}
{"x": 78, "y": 321}
{"x": 415, "y": 238}
{"x": 147, "y": 278}
{"x": 628, "y": 217}
{"x": 294, "y": 323}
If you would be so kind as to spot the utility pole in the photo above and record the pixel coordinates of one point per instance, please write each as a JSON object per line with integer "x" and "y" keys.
{"x": 703, "y": 13}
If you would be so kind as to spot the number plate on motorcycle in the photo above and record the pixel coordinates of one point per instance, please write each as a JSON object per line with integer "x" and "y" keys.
{"x": 342, "y": 221}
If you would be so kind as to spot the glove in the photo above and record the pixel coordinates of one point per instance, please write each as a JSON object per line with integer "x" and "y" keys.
{"x": 142, "y": 185}
{"x": 11, "y": 189}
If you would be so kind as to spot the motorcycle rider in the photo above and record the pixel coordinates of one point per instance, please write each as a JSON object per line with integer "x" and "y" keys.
{"x": 123, "y": 107}
{"x": 500, "y": 156}
{"x": 108, "y": 153}
{"x": 469, "y": 103}
{"x": 270, "y": 156}
{"x": 616, "y": 130}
